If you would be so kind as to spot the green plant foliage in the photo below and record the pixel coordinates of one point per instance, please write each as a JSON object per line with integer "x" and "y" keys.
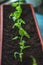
{"x": 22, "y": 42}
{"x": 22, "y": 32}
{"x": 21, "y": 21}
{"x": 34, "y": 60}
{"x": 14, "y": 38}
{"x": 22, "y": 45}
{"x": 16, "y": 25}
{"x": 17, "y": 14}
{"x": 15, "y": 4}
{"x": 18, "y": 21}
{"x": 18, "y": 8}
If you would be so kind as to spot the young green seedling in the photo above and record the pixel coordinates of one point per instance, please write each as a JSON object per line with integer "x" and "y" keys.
{"x": 34, "y": 60}
{"x": 18, "y": 21}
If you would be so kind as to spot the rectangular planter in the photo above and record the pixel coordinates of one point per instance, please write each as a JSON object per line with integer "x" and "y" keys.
{"x": 7, "y": 46}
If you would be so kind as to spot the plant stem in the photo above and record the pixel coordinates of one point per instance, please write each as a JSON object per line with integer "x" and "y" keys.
{"x": 21, "y": 38}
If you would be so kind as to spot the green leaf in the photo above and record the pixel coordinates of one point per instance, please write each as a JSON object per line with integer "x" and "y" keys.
{"x": 22, "y": 43}
{"x": 14, "y": 38}
{"x": 14, "y": 18}
{"x": 17, "y": 14}
{"x": 22, "y": 32}
{"x": 22, "y": 47}
{"x": 15, "y": 4}
{"x": 26, "y": 47}
{"x": 34, "y": 60}
{"x": 19, "y": 8}
{"x": 16, "y": 25}
{"x": 21, "y": 21}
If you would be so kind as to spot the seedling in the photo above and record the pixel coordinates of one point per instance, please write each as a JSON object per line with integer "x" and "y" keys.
{"x": 18, "y": 21}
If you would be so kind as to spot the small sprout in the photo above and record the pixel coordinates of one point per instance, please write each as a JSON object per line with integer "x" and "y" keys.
{"x": 34, "y": 60}
{"x": 15, "y": 53}
{"x": 14, "y": 38}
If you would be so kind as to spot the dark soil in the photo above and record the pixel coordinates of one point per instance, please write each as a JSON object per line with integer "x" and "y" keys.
{"x": 9, "y": 46}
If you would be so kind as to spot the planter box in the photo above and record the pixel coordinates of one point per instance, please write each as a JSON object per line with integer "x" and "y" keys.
{"x": 7, "y": 46}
